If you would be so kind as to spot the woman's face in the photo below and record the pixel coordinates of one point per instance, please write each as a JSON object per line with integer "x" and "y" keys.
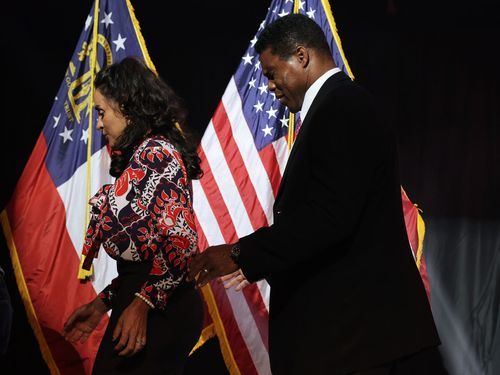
{"x": 110, "y": 119}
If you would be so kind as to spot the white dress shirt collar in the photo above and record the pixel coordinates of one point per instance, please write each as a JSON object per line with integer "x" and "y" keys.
{"x": 313, "y": 91}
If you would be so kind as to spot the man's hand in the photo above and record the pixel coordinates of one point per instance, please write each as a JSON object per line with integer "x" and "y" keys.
{"x": 215, "y": 261}
{"x": 236, "y": 279}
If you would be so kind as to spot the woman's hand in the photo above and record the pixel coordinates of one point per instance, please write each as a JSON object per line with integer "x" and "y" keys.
{"x": 84, "y": 320}
{"x": 234, "y": 279}
{"x": 130, "y": 330}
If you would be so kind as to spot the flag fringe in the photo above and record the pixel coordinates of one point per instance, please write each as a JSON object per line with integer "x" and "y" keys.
{"x": 225, "y": 348}
{"x": 140, "y": 38}
{"x": 333, "y": 27}
{"x": 25, "y": 296}
{"x": 421, "y": 235}
{"x": 207, "y": 333}
{"x": 83, "y": 274}
{"x": 291, "y": 131}
{"x": 420, "y": 231}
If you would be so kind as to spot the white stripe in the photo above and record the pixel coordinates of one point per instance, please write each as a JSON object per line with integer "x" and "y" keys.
{"x": 244, "y": 140}
{"x": 205, "y": 216}
{"x": 282, "y": 153}
{"x": 265, "y": 292}
{"x": 73, "y": 194}
{"x": 249, "y": 331}
{"x": 225, "y": 181}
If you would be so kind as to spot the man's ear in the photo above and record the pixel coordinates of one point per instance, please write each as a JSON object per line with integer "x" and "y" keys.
{"x": 303, "y": 56}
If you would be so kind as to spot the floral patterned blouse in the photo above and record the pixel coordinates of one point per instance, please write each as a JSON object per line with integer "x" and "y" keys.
{"x": 146, "y": 215}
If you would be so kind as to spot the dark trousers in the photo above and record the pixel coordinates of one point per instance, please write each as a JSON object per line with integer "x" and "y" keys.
{"x": 171, "y": 334}
{"x": 425, "y": 362}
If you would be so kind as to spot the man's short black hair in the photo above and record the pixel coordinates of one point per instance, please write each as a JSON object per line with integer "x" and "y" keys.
{"x": 285, "y": 34}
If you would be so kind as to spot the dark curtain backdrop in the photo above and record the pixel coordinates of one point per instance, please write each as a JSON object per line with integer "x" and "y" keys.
{"x": 434, "y": 71}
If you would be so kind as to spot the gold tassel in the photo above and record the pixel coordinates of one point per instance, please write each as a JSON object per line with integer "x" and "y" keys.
{"x": 83, "y": 273}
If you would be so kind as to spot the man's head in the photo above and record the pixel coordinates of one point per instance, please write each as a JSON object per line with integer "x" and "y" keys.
{"x": 293, "y": 52}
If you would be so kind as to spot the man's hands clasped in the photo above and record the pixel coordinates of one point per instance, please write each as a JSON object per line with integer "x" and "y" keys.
{"x": 214, "y": 262}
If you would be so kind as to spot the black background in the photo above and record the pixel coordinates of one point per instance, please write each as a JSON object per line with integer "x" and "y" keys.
{"x": 433, "y": 67}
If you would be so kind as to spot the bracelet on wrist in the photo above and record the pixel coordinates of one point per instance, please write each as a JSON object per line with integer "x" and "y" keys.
{"x": 145, "y": 300}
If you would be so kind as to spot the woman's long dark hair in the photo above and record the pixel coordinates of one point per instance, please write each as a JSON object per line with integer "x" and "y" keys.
{"x": 150, "y": 107}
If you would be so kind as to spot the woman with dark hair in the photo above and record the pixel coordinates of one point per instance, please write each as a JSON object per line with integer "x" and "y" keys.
{"x": 145, "y": 221}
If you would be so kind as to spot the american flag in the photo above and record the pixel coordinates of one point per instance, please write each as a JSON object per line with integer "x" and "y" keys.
{"x": 45, "y": 219}
{"x": 244, "y": 151}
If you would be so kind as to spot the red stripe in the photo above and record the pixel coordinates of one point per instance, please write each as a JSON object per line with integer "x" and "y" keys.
{"x": 234, "y": 160}
{"x": 270, "y": 161}
{"x": 202, "y": 239}
{"x": 50, "y": 263}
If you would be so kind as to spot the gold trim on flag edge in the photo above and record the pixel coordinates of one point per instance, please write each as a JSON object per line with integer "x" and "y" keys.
{"x": 25, "y": 295}
{"x": 83, "y": 274}
{"x": 333, "y": 28}
{"x": 140, "y": 38}
{"x": 421, "y": 235}
{"x": 225, "y": 348}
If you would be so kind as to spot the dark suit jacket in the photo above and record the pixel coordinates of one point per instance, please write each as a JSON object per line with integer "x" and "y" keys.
{"x": 346, "y": 294}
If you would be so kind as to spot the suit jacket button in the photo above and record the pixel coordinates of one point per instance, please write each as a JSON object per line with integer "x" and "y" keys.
{"x": 278, "y": 212}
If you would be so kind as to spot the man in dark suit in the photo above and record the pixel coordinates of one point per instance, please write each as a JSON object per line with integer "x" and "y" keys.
{"x": 346, "y": 295}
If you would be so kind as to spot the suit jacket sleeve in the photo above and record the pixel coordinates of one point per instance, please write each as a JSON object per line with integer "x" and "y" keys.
{"x": 342, "y": 162}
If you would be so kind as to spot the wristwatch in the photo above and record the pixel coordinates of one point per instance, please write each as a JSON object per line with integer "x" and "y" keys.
{"x": 235, "y": 252}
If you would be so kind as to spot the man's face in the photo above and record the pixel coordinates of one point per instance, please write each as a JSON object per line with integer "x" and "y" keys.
{"x": 287, "y": 79}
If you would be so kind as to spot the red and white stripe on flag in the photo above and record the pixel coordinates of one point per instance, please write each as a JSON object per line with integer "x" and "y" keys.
{"x": 233, "y": 199}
